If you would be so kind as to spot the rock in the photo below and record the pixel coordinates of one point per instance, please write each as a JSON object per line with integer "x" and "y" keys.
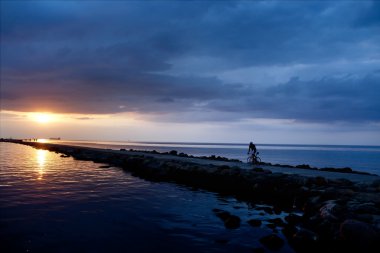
{"x": 230, "y": 221}
{"x": 271, "y": 225}
{"x": 293, "y": 219}
{"x": 254, "y": 223}
{"x": 320, "y": 181}
{"x": 376, "y": 183}
{"x": 303, "y": 166}
{"x": 259, "y": 169}
{"x": 258, "y": 250}
{"x": 272, "y": 242}
{"x": 330, "y": 211}
{"x": 363, "y": 217}
{"x": 366, "y": 197}
{"x": 277, "y": 210}
{"x": 359, "y": 236}
{"x": 277, "y": 222}
{"x": 173, "y": 152}
{"x": 306, "y": 235}
{"x": 376, "y": 222}
{"x": 289, "y": 230}
{"x": 364, "y": 208}
{"x": 304, "y": 240}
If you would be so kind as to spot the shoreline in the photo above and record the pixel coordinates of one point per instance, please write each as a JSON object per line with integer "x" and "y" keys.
{"x": 338, "y": 213}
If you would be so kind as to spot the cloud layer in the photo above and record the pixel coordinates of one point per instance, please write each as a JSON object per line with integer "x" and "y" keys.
{"x": 314, "y": 62}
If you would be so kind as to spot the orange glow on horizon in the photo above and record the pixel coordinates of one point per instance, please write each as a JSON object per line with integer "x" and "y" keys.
{"x": 42, "y": 118}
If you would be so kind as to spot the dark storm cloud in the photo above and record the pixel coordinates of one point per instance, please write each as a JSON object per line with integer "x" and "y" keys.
{"x": 98, "y": 57}
{"x": 327, "y": 99}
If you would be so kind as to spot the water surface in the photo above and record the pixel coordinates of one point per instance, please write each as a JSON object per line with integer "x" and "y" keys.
{"x": 54, "y": 204}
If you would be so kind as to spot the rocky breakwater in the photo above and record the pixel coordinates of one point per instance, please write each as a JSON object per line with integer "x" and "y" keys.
{"x": 337, "y": 215}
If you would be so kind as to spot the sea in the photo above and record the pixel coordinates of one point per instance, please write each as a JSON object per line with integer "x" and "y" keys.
{"x": 359, "y": 158}
{"x": 49, "y": 203}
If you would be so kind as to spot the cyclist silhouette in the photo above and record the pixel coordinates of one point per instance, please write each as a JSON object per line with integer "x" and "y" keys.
{"x": 253, "y": 154}
{"x": 252, "y": 147}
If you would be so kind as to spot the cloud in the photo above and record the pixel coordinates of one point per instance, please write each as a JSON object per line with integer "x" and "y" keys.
{"x": 193, "y": 61}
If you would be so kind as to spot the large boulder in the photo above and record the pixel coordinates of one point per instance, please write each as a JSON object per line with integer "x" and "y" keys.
{"x": 359, "y": 236}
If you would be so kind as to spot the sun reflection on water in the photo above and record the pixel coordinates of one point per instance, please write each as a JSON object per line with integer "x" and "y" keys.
{"x": 42, "y": 140}
{"x": 41, "y": 160}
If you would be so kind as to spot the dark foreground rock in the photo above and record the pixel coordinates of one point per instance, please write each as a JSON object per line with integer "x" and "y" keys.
{"x": 230, "y": 221}
{"x": 272, "y": 242}
{"x": 337, "y": 215}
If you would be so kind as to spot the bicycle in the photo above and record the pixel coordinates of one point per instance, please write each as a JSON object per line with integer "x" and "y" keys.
{"x": 254, "y": 158}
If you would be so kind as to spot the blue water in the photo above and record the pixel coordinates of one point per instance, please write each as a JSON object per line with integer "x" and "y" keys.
{"x": 360, "y": 158}
{"x": 54, "y": 204}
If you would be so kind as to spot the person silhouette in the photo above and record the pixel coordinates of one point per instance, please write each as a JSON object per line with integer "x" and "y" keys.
{"x": 252, "y": 147}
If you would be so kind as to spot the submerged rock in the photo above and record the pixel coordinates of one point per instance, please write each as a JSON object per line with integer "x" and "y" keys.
{"x": 230, "y": 221}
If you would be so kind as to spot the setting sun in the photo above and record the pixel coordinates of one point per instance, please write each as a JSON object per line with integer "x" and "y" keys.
{"x": 42, "y": 118}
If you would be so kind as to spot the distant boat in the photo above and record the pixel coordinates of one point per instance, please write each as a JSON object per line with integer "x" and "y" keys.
{"x": 54, "y": 138}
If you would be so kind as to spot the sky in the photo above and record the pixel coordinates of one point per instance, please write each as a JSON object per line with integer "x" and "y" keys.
{"x": 304, "y": 72}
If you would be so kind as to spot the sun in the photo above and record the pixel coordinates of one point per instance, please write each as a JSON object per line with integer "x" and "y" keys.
{"x": 42, "y": 118}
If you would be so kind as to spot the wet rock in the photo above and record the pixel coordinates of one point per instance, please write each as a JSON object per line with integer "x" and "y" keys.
{"x": 293, "y": 219}
{"x": 272, "y": 242}
{"x": 304, "y": 240}
{"x": 254, "y": 223}
{"x": 289, "y": 231}
{"x": 271, "y": 225}
{"x": 230, "y": 221}
{"x": 277, "y": 222}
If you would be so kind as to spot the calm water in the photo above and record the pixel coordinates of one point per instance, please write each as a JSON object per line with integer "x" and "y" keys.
{"x": 54, "y": 204}
{"x": 361, "y": 158}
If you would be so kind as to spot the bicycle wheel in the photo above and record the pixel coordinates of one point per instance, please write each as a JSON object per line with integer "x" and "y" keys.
{"x": 249, "y": 159}
{"x": 258, "y": 160}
